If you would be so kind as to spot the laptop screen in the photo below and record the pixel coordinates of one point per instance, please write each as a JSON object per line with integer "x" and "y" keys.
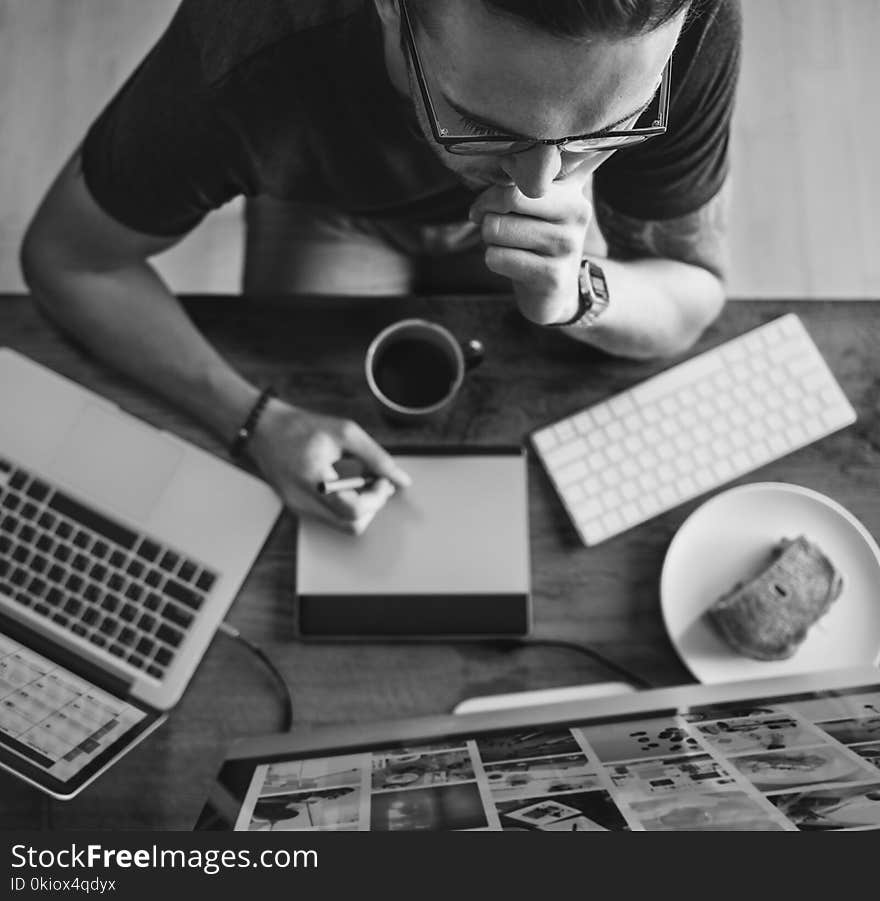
{"x": 779, "y": 761}
{"x": 57, "y": 729}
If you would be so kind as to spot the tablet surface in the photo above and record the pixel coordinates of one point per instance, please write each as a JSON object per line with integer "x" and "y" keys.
{"x": 449, "y": 555}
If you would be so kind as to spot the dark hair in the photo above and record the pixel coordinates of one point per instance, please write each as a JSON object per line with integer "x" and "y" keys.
{"x": 577, "y": 18}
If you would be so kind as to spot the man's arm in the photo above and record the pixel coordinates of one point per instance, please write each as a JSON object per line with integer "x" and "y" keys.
{"x": 91, "y": 275}
{"x": 665, "y": 279}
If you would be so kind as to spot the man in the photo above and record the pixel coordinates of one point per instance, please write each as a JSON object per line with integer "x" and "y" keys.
{"x": 382, "y": 134}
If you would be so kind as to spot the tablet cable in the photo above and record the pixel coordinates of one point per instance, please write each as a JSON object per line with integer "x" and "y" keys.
{"x": 266, "y": 660}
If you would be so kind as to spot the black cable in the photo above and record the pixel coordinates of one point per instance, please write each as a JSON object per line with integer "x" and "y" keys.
{"x": 515, "y": 644}
{"x": 233, "y": 633}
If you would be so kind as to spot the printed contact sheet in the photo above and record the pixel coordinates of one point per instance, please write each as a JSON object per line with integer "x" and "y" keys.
{"x": 810, "y": 764}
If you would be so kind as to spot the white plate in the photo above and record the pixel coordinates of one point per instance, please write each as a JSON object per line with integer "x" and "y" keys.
{"x": 729, "y": 537}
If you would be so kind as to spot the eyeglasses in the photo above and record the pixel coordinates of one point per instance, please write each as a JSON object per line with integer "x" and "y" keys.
{"x": 503, "y": 144}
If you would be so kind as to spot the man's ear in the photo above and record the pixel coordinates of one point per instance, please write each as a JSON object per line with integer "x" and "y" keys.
{"x": 389, "y": 12}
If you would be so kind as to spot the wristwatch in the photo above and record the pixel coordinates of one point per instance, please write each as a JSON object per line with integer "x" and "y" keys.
{"x": 593, "y": 296}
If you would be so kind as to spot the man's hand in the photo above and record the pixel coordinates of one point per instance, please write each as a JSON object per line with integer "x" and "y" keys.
{"x": 295, "y": 449}
{"x": 538, "y": 243}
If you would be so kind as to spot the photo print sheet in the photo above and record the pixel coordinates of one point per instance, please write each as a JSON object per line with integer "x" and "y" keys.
{"x": 809, "y": 763}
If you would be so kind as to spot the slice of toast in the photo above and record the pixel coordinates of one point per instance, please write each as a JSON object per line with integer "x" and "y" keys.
{"x": 767, "y": 618}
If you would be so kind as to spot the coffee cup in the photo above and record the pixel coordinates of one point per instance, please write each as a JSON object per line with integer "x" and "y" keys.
{"x": 415, "y": 368}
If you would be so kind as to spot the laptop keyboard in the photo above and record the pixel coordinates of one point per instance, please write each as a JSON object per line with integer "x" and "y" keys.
{"x": 110, "y": 586}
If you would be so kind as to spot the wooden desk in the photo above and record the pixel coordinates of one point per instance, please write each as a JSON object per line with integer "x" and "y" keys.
{"x": 608, "y": 596}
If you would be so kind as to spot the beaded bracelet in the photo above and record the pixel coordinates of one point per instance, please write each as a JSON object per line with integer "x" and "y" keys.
{"x": 243, "y": 435}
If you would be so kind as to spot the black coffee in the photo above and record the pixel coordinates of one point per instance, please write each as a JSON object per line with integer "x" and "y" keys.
{"x": 414, "y": 373}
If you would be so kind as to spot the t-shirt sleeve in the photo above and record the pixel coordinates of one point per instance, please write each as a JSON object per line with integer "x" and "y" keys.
{"x": 679, "y": 172}
{"x": 162, "y": 154}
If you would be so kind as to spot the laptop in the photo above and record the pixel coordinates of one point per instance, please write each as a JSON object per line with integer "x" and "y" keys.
{"x": 121, "y": 549}
{"x": 793, "y": 753}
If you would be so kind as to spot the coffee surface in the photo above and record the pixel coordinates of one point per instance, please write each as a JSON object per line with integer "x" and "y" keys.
{"x": 414, "y": 373}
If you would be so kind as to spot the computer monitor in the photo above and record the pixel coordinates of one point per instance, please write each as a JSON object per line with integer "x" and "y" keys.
{"x": 784, "y": 754}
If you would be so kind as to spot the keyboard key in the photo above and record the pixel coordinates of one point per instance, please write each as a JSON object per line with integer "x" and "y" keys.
{"x": 154, "y": 578}
{"x": 38, "y": 490}
{"x": 46, "y": 520}
{"x": 19, "y": 576}
{"x": 146, "y": 623}
{"x": 29, "y": 511}
{"x": 100, "y": 549}
{"x": 79, "y": 629}
{"x": 98, "y": 572}
{"x": 187, "y": 571}
{"x": 12, "y": 502}
{"x": 149, "y": 550}
{"x": 127, "y": 636}
{"x": 128, "y": 612}
{"x": 90, "y": 616}
{"x": 169, "y": 561}
{"x": 116, "y": 582}
{"x": 82, "y": 539}
{"x": 72, "y": 606}
{"x": 205, "y": 581}
{"x": 110, "y": 603}
{"x": 18, "y": 480}
{"x": 64, "y": 530}
{"x": 117, "y": 559}
{"x": 21, "y": 553}
{"x": 74, "y": 582}
{"x": 56, "y": 573}
{"x": 80, "y": 563}
{"x": 177, "y": 615}
{"x": 117, "y": 650}
{"x": 135, "y": 568}
{"x": 135, "y": 660}
{"x": 45, "y": 543}
{"x": 27, "y": 533}
{"x": 145, "y": 646}
{"x": 163, "y": 656}
{"x": 168, "y": 635}
{"x": 98, "y": 639}
{"x": 109, "y": 626}
{"x": 62, "y": 553}
{"x": 153, "y": 601}
{"x": 185, "y": 595}
{"x": 92, "y": 593}
{"x": 155, "y": 671}
{"x": 26, "y": 600}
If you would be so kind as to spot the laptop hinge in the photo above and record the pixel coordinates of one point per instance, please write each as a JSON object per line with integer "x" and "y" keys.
{"x": 31, "y": 638}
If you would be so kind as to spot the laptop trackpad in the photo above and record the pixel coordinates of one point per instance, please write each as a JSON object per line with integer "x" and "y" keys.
{"x": 116, "y": 461}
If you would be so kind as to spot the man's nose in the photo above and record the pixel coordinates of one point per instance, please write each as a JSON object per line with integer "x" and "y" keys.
{"x": 533, "y": 171}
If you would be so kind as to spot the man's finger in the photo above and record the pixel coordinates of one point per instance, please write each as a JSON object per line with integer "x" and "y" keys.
{"x": 355, "y": 505}
{"x": 561, "y": 203}
{"x": 377, "y": 460}
{"x": 528, "y": 233}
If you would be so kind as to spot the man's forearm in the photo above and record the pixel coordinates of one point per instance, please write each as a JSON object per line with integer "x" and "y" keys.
{"x": 658, "y": 308}
{"x": 128, "y": 318}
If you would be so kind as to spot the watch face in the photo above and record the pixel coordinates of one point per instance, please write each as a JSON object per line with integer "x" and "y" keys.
{"x": 597, "y": 280}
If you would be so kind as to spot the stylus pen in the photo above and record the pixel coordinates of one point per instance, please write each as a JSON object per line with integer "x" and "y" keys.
{"x": 353, "y": 484}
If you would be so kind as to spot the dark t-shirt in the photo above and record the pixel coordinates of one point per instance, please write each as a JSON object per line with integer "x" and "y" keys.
{"x": 291, "y": 98}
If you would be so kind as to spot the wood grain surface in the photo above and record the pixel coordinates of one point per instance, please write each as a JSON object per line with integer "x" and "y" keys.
{"x": 313, "y": 350}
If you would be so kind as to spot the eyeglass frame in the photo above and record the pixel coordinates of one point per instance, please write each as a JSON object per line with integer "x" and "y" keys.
{"x": 442, "y": 136}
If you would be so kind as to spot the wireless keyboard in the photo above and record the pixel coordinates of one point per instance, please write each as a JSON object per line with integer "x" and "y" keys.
{"x": 692, "y": 428}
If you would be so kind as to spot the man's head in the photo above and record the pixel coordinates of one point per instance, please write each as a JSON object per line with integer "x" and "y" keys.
{"x": 537, "y": 69}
